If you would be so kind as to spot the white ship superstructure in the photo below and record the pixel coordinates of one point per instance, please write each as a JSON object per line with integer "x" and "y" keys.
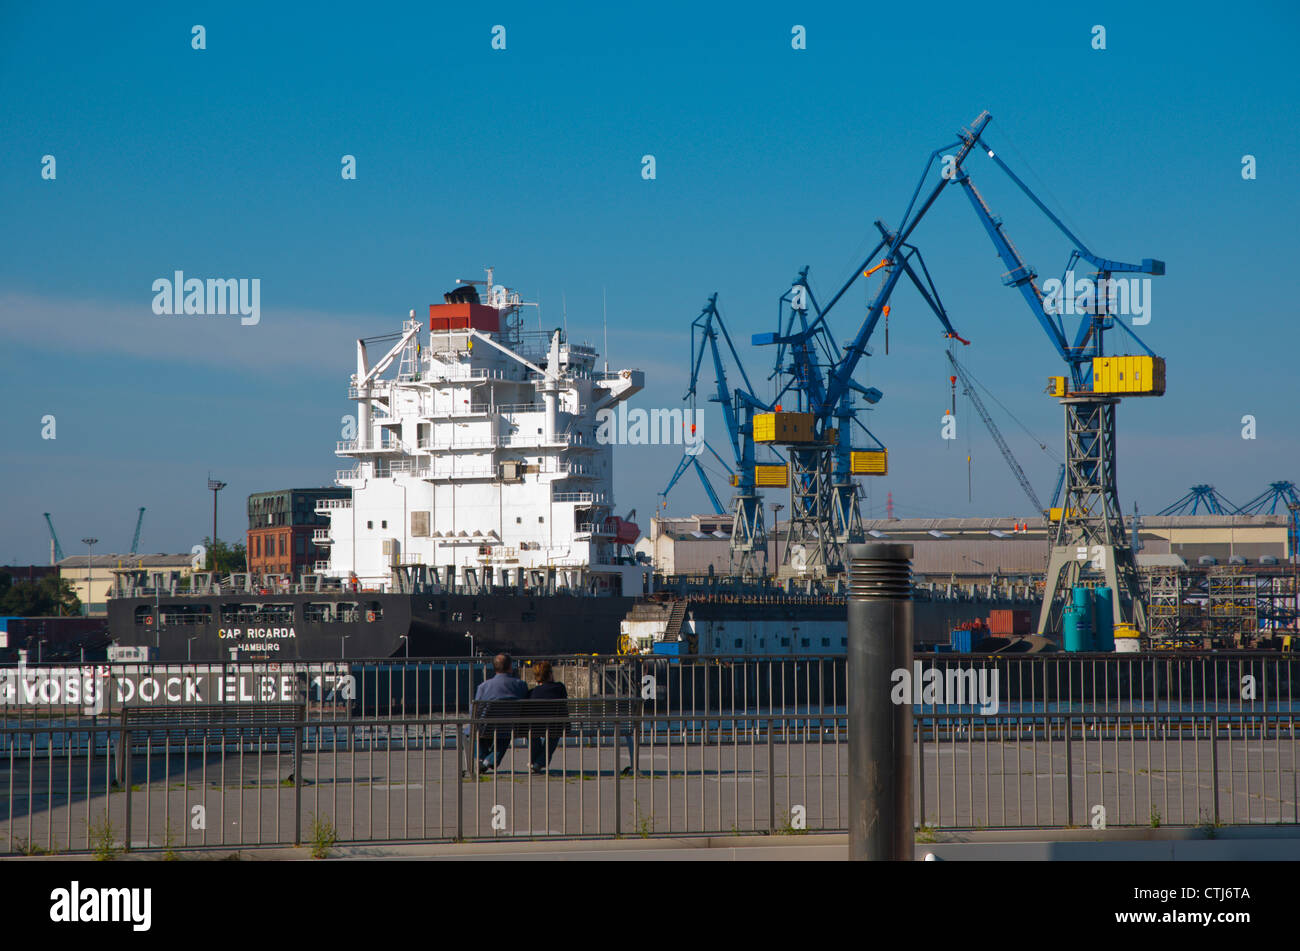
{"x": 476, "y": 461}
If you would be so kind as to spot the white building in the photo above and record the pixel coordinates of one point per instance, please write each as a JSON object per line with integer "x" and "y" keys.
{"x": 476, "y": 461}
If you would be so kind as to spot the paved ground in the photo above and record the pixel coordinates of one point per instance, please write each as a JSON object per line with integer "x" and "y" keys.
{"x": 389, "y": 795}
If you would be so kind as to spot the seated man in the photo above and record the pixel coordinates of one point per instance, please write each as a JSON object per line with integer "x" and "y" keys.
{"x": 550, "y": 697}
{"x": 503, "y": 685}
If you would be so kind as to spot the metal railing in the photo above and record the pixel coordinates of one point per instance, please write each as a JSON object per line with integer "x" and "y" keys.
{"x": 725, "y": 746}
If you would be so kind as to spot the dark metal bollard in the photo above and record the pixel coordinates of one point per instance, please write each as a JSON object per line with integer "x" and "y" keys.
{"x": 880, "y": 731}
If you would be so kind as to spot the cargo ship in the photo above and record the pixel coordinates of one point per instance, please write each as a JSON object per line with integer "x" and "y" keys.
{"x": 480, "y": 518}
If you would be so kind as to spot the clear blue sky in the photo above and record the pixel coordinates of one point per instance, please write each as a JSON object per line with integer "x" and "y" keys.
{"x": 225, "y": 163}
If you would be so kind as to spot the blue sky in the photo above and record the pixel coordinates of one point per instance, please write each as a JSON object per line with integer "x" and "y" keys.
{"x": 225, "y": 163}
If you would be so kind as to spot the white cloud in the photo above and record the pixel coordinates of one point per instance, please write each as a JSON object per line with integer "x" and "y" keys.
{"x": 284, "y": 338}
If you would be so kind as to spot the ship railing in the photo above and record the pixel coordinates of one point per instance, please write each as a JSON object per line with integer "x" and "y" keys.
{"x": 354, "y": 445}
{"x": 324, "y": 506}
{"x": 573, "y": 497}
{"x": 321, "y": 535}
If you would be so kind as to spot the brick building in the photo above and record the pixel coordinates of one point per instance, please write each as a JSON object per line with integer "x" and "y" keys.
{"x": 281, "y": 530}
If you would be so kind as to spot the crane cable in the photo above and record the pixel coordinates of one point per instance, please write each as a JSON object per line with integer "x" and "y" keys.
{"x": 1041, "y": 445}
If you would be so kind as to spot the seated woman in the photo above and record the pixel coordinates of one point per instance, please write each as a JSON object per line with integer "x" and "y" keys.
{"x": 547, "y": 736}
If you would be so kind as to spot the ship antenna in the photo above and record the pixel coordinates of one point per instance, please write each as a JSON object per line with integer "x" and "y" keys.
{"x": 604, "y": 320}
{"x": 564, "y": 312}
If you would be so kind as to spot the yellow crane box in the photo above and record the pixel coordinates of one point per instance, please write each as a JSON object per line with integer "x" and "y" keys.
{"x": 1056, "y": 386}
{"x": 783, "y": 427}
{"x": 771, "y": 476}
{"x": 1133, "y": 376}
{"x": 869, "y": 462}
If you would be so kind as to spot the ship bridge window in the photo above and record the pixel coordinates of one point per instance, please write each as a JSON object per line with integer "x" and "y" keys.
{"x": 740, "y": 642}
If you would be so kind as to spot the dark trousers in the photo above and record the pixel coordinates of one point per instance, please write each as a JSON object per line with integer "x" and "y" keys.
{"x": 543, "y": 747}
{"x": 493, "y": 745}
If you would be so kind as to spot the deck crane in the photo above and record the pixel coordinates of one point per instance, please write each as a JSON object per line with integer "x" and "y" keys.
{"x": 992, "y": 427}
{"x": 56, "y": 550}
{"x": 1090, "y": 536}
{"x": 135, "y": 542}
{"x": 748, "y": 533}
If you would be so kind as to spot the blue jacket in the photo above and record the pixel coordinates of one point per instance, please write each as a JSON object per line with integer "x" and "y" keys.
{"x": 502, "y": 687}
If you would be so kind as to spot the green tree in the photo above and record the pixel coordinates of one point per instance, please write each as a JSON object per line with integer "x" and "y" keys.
{"x": 225, "y": 558}
{"x": 48, "y": 597}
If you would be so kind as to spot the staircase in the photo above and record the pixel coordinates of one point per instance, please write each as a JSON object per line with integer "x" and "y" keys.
{"x": 673, "y": 630}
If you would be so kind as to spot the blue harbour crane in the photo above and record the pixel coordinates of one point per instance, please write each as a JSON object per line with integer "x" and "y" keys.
{"x": 748, "y": 533}
{"x": 1089, "y": 540}
{"x": 816, "y": 374}
{"x": 1201, "y": 498}
{"x": 135, "y": 541}
{"x": 56, "y": 550}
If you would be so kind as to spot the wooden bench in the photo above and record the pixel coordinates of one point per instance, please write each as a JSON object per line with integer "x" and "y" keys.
{"x": 583, "y": 716}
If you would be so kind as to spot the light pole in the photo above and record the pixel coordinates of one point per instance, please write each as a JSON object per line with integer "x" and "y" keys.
{"x": 90, "y": 544}
{"x": 472, "y": 652}
{"x": 406, "y": 644}
{"x": 776, "y": 509}
{"x": 189, "y": 648}
{"x": 216, "y": 486}
{"x": 342, "y": 641}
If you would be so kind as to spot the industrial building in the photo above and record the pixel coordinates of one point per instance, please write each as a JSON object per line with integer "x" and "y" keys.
{"x": 283, "y": 529}
{"x": 1230, "y": 578}
{"x": 92, "y": 583}
{"x": 980, "y": 549}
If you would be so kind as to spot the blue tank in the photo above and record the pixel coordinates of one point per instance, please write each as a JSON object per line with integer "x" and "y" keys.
{"x": 1104, "y": 619}
{"x": 1078, "y": 621}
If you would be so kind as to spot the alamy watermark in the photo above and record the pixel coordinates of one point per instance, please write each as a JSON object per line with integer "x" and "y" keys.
{"x": 214, "y": 296}
{"x": 1113, "y": 297}
{"x": 656, "y": 427}
{"x": 950, "y": 687}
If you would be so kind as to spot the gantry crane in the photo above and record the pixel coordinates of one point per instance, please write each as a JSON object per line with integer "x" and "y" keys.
{"x": 1089, "y": 538}
{"x": 1201, "y": 497}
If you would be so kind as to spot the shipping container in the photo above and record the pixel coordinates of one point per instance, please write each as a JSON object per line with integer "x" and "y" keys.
{"x": 963, "y": 642}
{"x": 869, "y": 462}
{"x": 1010, "y": 621}
{"x": 783, "y": 427}
{"x": 1133, "y": 376}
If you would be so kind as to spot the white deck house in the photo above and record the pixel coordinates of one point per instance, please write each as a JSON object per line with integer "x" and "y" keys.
{"x": 476, "y": 462}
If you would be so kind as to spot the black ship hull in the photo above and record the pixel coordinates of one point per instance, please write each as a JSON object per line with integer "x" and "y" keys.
{"x": 328, "y": 625}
